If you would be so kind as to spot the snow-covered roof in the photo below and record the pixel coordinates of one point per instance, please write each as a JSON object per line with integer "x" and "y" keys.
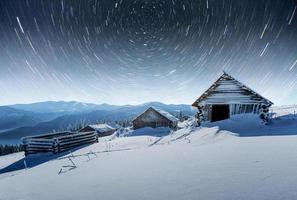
{"x": 101, "y": 127}
{"x": 166, "y": 114}
{"x": 163, "y": 113}
{"x": 226, "y": 89}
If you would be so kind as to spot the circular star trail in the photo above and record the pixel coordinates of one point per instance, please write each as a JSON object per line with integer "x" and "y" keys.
{"x": 134, "y": 51}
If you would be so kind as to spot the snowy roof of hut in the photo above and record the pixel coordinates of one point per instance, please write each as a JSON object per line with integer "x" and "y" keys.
{"x": 227, "y": 89}
{"x": 163, "y": 113}
{"x": 101, "y": 127}
{"x": 166, "y": 114}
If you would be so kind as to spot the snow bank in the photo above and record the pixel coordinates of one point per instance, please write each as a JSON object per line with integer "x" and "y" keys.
{"x": 213, "y": 162}
{"x": 247, "y": 125}
{"x": 234, "y": 168}
{"x": 156, "y": 132}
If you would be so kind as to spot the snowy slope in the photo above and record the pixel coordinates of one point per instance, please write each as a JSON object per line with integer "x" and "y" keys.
{"x": 213, "y": 162}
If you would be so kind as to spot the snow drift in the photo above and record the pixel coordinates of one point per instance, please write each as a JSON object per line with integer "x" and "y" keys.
{"x": 217, "y": 161}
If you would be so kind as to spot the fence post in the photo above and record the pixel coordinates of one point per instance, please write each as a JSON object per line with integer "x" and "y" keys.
{"x": 56, "y": 146}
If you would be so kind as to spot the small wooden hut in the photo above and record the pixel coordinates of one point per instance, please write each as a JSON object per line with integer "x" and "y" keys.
{"x": 154, "y": 117}
{"x": 227, "y": 96}
{"x": 101, "y": 129}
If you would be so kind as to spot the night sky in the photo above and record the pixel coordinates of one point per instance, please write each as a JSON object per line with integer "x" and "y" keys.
{"x": 134, "y": 51}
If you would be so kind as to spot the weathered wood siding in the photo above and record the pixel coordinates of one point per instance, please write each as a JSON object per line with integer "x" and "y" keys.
{"x": 57, "y": 142}
{"x": 244, "y": 108}
{"x": 86, "y": 129}
{"x": 106, "y": 133}
{"x": 99, "y": 133}
{"x": 234, "y": 109}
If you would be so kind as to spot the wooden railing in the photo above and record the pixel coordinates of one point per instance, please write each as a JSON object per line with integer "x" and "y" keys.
{"x": 57, "y": 142}
{"x": 288, "y": 112}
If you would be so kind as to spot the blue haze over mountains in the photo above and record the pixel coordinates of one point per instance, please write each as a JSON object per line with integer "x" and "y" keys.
{"x": 21, "y": 120}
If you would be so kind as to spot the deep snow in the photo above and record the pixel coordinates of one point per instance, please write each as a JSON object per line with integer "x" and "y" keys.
{"x": 217, "y": 161}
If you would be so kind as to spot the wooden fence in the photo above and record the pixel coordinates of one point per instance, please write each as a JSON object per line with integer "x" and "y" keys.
{"x": 57, "y": 142}
{"x": 289, "y": 112}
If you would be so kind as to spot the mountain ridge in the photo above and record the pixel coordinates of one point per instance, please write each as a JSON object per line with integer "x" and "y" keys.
{"x": 74, "y": 114}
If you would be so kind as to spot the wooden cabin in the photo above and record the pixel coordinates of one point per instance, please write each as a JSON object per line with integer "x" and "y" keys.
{"x": 227, "y": 96}
{"x": 101, "y": 129}
{"x": 154, "y": 117}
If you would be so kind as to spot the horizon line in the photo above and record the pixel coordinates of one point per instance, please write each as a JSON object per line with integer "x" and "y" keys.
{"x": 77, "y": 101}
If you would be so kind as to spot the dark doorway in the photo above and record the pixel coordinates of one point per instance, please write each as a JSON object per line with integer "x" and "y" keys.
{"x": 219, "y": 112}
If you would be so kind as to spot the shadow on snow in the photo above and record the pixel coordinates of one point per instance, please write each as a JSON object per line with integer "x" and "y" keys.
{"x": 35, "y": 159}
{"x": 148, "y": 131}
{"x": 249, "y": 125}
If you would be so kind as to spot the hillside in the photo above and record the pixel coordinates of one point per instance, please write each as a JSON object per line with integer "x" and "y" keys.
{"x": 11, "y": 118}
{"x": 80, "y": 107}
{"x": 218, "y": 161}
{"x": 67, "y": 115}
{"x": 55, "y": 107}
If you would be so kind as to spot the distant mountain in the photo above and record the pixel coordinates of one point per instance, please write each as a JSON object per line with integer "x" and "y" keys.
{"x": 66, "y": 122}
{"x": 77, "y": 107}
{"x": 11, "y": 118}
{"x": 73, "y": 114}
{"x": 56, "y": 107}
{"x": 174, "y": 109}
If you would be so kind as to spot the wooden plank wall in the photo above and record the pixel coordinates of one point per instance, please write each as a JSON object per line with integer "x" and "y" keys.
{"x": 234, "y": 109}
{"x": 57, "y": 143}
{"x": 244, "y": 108}
{"x": 227, "y": 91}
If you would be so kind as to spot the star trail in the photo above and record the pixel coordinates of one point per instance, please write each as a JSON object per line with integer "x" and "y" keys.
{"x": 134, "y": 51}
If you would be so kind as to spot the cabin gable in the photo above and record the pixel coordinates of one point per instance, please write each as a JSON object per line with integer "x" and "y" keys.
{"x": 227, "y": 90}
{"x": 101, "y": 129}
{"x": 86, "y": 129}
{"x": 227, "y": 96}
{"x": 154, "y": 118}
{"x": 151, "y": 115}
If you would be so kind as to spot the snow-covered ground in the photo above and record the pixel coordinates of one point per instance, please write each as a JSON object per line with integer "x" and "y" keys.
{"x": 238, "y": 158}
